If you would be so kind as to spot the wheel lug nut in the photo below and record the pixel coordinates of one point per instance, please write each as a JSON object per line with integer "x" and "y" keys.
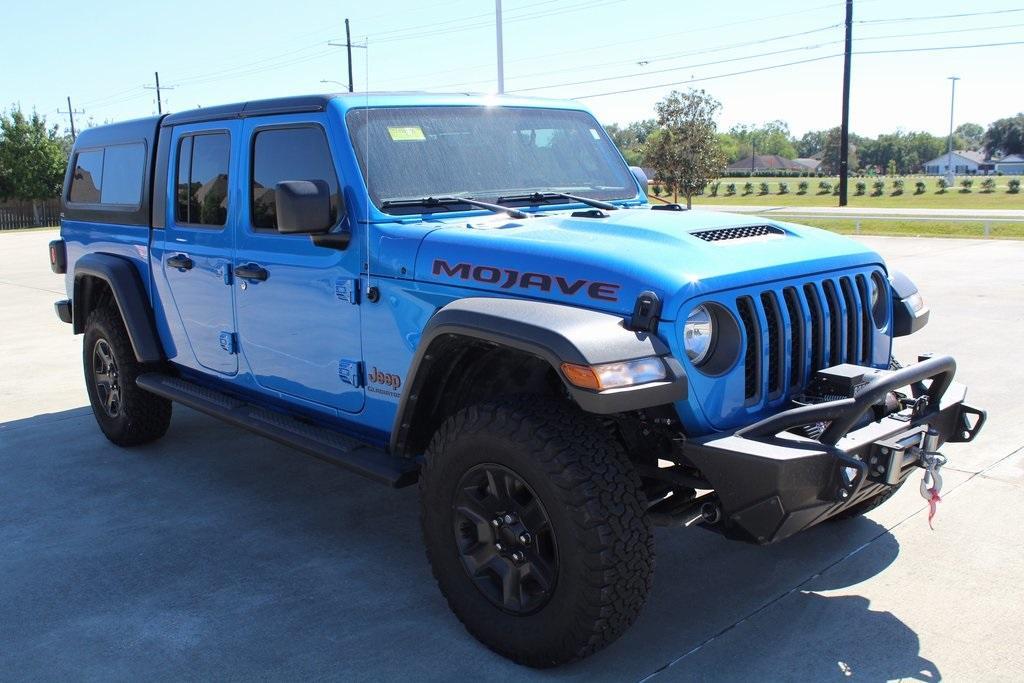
{"x": 509, "y": 519}
{"x": 497, "y": 546}
{"x": 525, "y": 538}
{"x": 517, "y": 556}
{"x": 496, "y": 522}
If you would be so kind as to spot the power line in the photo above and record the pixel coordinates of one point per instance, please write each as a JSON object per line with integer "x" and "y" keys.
{"x": 939, "y": 16}
{"x": 647, "y": 60}
{"x": 71, "y": 116}
{"x": 794, "y": 63}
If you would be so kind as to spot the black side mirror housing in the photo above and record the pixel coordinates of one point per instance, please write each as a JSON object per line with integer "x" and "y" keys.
{"x": 303, "y": 207}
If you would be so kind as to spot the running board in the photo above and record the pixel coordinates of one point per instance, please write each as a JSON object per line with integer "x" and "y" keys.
{"x": 325, "y": 444}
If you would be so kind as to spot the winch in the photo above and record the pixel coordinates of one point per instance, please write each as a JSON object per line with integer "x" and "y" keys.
{"x": 839, "y": 382}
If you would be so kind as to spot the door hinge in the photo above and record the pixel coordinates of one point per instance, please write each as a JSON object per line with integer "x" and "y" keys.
{"x": 347, "y": 289}
{"x": 351, "y": 372}
{"x": 229, "y": 342}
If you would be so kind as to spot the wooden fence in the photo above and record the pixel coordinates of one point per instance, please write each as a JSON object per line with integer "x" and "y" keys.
{"x": 22, "y": 214}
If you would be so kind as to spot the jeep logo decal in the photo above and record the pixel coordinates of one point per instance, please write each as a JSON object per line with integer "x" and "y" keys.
{"x": 385, "y": 378}
{"x": 489, "y": 275}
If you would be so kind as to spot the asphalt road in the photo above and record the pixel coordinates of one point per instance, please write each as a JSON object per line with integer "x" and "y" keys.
{"x": 216, "y": 554}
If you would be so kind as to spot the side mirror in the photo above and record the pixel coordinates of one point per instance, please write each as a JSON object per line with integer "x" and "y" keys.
{"x": 640, "y": 176}
{"x": 303, "y": 207}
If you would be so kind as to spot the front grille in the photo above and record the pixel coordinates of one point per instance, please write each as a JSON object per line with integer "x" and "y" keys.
{"x": 742, "y": 232}
{"x": 836, "y": 328}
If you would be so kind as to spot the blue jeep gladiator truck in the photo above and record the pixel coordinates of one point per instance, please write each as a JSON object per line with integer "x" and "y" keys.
{"x": 474, "y": 293}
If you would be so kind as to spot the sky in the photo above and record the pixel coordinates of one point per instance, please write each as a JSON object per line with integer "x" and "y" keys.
{"x": 210, "y": 52}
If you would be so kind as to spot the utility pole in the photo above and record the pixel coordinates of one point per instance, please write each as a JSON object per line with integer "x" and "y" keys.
{"x": 159, "y": 102}
{"x": 348, "y": 48}
{"x": 950, "y": 176}
{"x": 71, "y": 115}
{"x": 501, "y": 51}
{"x": 844, "y": 135}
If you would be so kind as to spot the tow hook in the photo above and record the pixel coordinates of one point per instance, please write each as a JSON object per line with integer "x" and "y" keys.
{"x": 932, "y": 461}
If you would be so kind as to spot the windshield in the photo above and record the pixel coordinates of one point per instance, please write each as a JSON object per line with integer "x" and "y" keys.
{"x": 485, "y": 153}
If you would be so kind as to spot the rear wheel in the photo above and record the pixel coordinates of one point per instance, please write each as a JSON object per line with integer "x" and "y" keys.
{"x": 534, "y": 525}
{"x": 126, "y": 414}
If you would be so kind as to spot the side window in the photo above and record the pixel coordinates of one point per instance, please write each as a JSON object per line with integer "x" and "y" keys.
{"x": 288, "y": 154}
{"x": 201, "y": 193}
{"x": 111, "y": 175}
{"x": 123, "y": 168}
{"x": 88, "y": 177}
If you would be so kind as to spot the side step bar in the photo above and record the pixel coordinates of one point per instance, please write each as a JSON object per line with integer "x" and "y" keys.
{"x": 325, "y": 444}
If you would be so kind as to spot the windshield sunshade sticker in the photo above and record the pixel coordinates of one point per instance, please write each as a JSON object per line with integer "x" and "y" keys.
{"x": 406, "y": 133}
{"x": 506, "y": 278}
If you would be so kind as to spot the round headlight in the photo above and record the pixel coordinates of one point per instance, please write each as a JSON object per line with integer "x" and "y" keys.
{"x": 879, "y": 302}
{"x": 698, "y": 334}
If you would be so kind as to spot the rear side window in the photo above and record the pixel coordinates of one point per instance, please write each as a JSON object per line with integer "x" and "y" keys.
{"x": 109, "y": 176}
{"x": 288, "y": 154}
{"x": 201, "y": 196}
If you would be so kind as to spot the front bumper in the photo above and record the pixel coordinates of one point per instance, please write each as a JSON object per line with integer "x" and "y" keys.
{"x": 772, "y": 483}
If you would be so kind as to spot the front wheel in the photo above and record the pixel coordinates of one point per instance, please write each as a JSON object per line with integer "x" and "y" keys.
{"x": 534, "y": 525}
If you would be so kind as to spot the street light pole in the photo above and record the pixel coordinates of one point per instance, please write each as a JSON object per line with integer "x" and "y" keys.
{"x": 501, "y": 57}
{"x": 950, "y": 176}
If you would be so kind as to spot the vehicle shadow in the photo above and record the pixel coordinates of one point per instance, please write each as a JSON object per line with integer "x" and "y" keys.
{"x": 215, "y": 553}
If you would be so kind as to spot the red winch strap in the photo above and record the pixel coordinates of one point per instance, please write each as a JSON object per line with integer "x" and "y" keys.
{"x": 933, "y": 501}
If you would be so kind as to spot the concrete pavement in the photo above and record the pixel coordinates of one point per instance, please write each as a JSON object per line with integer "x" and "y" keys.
{"x": 217, "y": 554}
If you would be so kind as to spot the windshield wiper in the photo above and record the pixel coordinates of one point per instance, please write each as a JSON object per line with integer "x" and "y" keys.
{"x": 445, "y": 201}
{"x": 551, "y": 194}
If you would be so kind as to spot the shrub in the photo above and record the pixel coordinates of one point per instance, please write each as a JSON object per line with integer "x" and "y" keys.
{"x": 920, "y": 187}
{"x": 714, "y": 188}
{"x": 897, "y": 186}
{"x": 988, "y": 185}
{"x": 890, "y": 169}
{"x": 943, "y": 184}
{"x": 783, "y": 188}
{"x": 763, "y": 187}
{"x": 966, "y": 184}
{"x": 862, "y": 187}
{"x": 802, "y": 187}
{"x": 657, "y": 190}
{"x": 879, "y": 186}
{"x": 1014, "y": 186}
{"x": 748, "y": 188}
{"x": 835, "y": 190}
{"x": 730, "y": 189}
{"x": 824, "y": 187}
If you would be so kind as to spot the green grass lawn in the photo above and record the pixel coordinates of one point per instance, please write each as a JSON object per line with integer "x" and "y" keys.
{"x": 931, "y": 198}
{"x": 904, "y": 228}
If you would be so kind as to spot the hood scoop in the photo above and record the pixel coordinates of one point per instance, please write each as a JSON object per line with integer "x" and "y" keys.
{"x": 739, "y": 233}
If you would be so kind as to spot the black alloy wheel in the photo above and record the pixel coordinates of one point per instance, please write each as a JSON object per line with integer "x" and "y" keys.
{"x": 504, "y": 539}
{"x": 104, "y": 375}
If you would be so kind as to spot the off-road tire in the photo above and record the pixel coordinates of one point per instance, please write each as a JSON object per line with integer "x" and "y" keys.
{"x": 868, "y": 505}
{"x": 140, "y": 417}
{"x": 593, "y": 496}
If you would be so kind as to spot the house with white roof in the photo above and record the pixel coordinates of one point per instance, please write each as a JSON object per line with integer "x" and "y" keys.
{"x": 964, "y": 162}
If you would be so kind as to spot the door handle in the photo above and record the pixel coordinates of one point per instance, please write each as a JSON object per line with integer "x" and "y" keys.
{"x": 180, "y": 261}
{"x": 252, "y": 271}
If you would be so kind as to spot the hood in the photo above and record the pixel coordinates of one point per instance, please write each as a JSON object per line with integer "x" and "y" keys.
{"x": 605, "y": 263}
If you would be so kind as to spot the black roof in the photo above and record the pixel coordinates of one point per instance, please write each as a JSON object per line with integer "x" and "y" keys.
{"x": 241, "y": 110}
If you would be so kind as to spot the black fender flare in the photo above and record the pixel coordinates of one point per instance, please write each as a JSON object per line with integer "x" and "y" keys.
{"x": 130, "y": 296}
{"x": 555, "y": 333}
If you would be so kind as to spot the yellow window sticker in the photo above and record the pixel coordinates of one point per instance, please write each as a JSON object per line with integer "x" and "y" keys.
{"x": 406, "y": 133}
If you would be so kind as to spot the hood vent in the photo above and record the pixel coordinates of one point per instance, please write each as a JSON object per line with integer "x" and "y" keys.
{"x": 742, "y": 232}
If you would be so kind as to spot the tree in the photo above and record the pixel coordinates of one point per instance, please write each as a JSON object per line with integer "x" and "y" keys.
{"x": 32, "y": 157}
{"x": 685, "y": 150}
{"x": 769, "y": 138}
{"x": 811, "y": 143}
{"x": 830, "y": 153}
{"x": 969, "y": 136}
{"x": 1006, "y": 136}
{"x": 631, "y": 139}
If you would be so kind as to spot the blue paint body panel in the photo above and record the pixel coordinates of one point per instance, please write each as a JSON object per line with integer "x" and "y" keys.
{"x": 308, "y": 339}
